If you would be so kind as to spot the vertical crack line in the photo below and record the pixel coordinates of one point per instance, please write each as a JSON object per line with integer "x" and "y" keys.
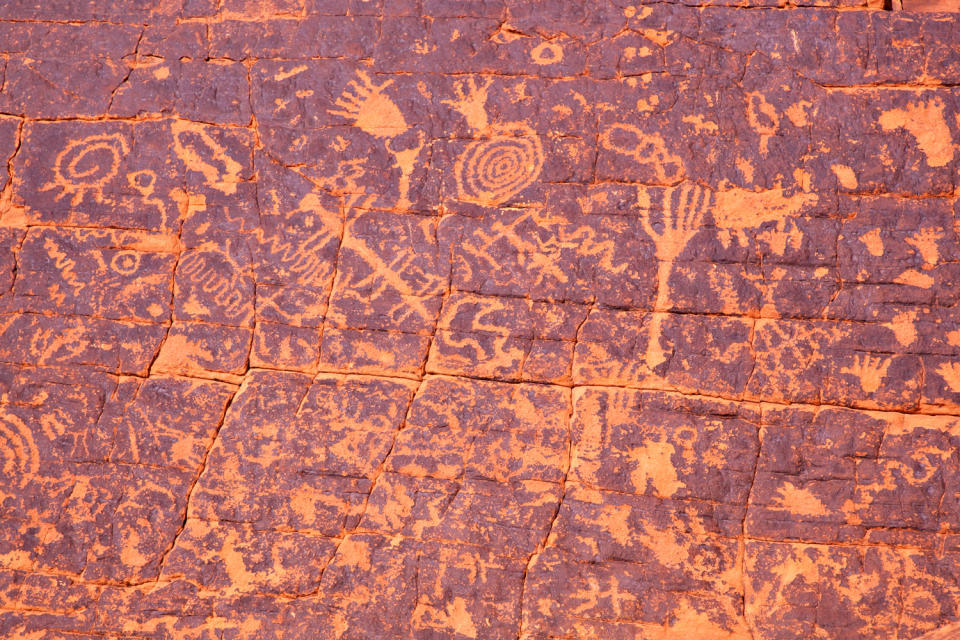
{"x": 545, "y": 542}
{"x": 196, "y": 481}
{"x": 742, "y": 542}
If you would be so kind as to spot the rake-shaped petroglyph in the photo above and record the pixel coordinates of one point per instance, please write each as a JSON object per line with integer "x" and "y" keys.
{"x": 373, "y": 111}
{"x": 504, "y": 160}
{"x": 682, "y": 213}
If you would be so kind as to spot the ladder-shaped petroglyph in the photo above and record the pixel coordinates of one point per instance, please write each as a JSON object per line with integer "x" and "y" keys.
{"x": 505, "y": 158}
{"x": 372, "y": 111}
{"x": 682, "y": 214}
{"x": 85, "y": 166}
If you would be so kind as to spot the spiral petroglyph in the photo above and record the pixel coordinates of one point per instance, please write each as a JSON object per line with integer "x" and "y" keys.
{"x": 85, "y": 166}
{"x": 494, "y": 169}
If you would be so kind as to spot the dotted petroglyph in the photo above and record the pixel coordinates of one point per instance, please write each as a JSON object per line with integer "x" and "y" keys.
{"x": 527, "y": 320}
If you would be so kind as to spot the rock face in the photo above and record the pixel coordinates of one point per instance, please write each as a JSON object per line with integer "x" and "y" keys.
{"x": 479, "y": 319}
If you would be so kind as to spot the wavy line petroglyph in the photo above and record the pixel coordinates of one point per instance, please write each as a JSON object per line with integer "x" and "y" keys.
{"x": 86, "y": 165}
{"x": 20, "y": 456}
{"x": 506, "y": 158}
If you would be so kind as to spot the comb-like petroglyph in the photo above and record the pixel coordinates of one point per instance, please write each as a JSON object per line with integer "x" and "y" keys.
{"x": 481, "y": 319}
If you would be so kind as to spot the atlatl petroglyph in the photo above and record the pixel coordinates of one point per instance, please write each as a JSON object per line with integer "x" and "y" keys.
{"x": 505, "y": 159}
{"x": 646, "y": 148}
{"x": 200, "y": 152}
{"x": 372, "y": 111}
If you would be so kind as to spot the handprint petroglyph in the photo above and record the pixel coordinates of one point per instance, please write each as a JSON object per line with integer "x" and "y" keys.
{"x": 373, "y": 111}
{"x": 869, "y": 370}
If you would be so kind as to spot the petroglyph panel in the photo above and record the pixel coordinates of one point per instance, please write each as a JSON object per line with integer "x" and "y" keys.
{"x": 479, "y": 319}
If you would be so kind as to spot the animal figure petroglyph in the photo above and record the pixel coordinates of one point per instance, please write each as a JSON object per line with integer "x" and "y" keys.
{"x": 373, "y": 112}
{"x": 507, "y": 157}
{"x": 85, "y": 166}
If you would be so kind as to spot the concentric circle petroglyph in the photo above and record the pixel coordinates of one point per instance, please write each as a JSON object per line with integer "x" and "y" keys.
{"x": 494, "y": 169}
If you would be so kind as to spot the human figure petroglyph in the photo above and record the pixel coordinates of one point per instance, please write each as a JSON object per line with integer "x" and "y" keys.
{"x": 683, "y": 211}
{"x": 144, "y": 182}
{"x": 505, "y": 159}
{"x": 86, "y": 165}
{"x": 372, "y": 111}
